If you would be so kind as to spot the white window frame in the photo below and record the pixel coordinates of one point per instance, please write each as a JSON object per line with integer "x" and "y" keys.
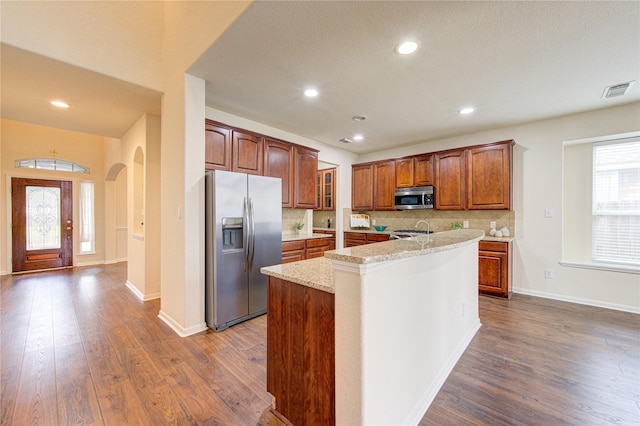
{"x": 586, "y": 261}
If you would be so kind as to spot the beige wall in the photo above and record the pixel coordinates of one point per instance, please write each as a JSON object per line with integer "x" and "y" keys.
{"x": 23, "y": 140}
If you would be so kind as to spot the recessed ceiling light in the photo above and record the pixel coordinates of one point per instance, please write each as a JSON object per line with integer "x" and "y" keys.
{"x": 406, "y": 47}
{"x": 311, "y": 93}
{"x": 358, "y": 137}
{"x": 60, "y": 104}
{"x": 467, "y": 110}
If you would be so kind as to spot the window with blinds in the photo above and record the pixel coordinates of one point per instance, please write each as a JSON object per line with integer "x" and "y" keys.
{"x": 616, "y": 202}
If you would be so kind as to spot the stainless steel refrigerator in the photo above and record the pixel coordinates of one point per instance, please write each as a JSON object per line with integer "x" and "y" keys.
{"x": 243, "y": 233}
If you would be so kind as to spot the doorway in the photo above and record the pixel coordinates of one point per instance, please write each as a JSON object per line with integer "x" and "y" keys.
{"x": 42, "y": 224}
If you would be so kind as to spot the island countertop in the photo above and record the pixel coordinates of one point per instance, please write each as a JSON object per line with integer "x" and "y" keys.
{"x": 406, "y": 247}
{"x": 318, "y": 273}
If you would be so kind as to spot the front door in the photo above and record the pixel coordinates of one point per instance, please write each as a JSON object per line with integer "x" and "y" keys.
{"x": 42, "y": 227}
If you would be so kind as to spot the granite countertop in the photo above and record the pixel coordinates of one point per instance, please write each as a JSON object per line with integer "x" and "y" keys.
{"x": 296, "y": 237}
{"x": 406, "y": 247}
{"x": 498, "y": 239}
{"x": 316, "y": 273}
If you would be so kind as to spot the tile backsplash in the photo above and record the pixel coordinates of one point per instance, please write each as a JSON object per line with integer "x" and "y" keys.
{"x": 438, "y": 220}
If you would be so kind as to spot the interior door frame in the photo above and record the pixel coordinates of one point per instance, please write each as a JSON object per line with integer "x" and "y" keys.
{"x": 67, "y": 197}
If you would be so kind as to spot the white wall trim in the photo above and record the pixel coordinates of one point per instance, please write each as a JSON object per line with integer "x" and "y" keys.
{"x": 135, "y": 290}
{"x": 181, "y": 331}
{"x": 111, "y": 262}
{"x": 430, "y": 394}
{"x": 579, "y": 300}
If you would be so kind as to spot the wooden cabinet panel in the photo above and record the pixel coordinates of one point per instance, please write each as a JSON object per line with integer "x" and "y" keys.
{"x": 423, "y": 170}
{"x": 317, "y": 246}
{"x": 494, "y": 268}
{"x": 292, "y": 251}
{"x": 278, "y": 162}
{"x": 305, "y": 170}
{"x": 247, "y": 153}
{"x": 450, "y": 180}
{"x": 384, "y": 174}
{"x": 362, "y": 187}
{"x": 217, "y": 151}
{"x": 352, "y": 239}
{"x": 405, "y": 173}
{"x": 489, "y": 177}
{"x": 377, "y": 238}
{"x": 326, "y": 184}
{"x": 301, "y": 352}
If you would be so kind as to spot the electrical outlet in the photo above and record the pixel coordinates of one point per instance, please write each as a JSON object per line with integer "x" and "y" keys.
{"x": 465, "y": 223}
{"x": 548, "y": 273}
{"x": 373, "y": 221}
{"x": 548, "y": 213}
{"x": 492, "y": 224}
{"x": 464, "y": 309}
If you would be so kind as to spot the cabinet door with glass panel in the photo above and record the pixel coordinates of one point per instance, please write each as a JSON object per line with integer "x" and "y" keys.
{"x": 326, "y": 189}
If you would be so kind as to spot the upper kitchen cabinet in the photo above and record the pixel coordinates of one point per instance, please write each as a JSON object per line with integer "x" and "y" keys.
{"x": 423, "y": 165}
{"x": 362, "y": 187}
{"x": 247, "y": 153}
{"x": 489, "y": 176}
{"x": 217, "y": 147}
{"x": 305, "y": 169}
{"x": 384, "y": 182}
{"x": 278, "y": 162}
{"x": 326, "y": 189}
{"x": 405, "y": 173}
{"x": 450, "y": 180}
{"x": 414, "y": 171}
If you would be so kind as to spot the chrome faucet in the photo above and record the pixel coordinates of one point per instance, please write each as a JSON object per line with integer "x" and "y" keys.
{"x": 424, "y": 221}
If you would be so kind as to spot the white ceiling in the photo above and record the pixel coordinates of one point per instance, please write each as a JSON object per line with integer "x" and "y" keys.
{"x": 514, "y": 61}
{"x": 99, "y": 104}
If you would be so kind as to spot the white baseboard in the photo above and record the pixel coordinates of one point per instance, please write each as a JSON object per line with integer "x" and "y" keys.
{"x": 431, "y": 392}
{"x": 175, "y": 326}
{"x": 111, "y": 262}
{"x": 140, "y": 295}
{"x": 4, "y": 273}
{"x": 578, "y": 300}
{"x": 98, "y": 262}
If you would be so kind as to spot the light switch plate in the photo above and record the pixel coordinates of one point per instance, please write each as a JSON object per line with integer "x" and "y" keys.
{"x": 548, "y": 213}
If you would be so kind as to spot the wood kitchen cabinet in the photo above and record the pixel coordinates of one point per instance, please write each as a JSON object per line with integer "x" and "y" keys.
{"x": 352, "y": 239}
{"x": 489, "y": 176}
{"x": 423, "y": 170}
{"x": 217, "y": 147}
{"x": 326, "y": 184}
{"x": 332, "y": 243}
{"x": 278, "y": 162}
{"x": 384, "y": 182}
{"x": 450, "y": 180}
{"x": 362, "y": 187}
{"x": 246, "y": 156}
{"x": 292, "y": 251}
{"x": 494, "y": 268}
{"x": 305, "y": 169}
{"x": 414, "y": 171}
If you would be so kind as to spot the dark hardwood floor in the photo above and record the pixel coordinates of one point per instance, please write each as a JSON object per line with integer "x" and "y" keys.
{"x": 77, "y": 347}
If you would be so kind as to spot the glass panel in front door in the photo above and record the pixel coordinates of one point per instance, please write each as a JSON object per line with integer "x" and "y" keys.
{"x": 43, "y": 217}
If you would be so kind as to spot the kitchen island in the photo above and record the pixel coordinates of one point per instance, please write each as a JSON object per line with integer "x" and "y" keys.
{"x": 371, "y": 330}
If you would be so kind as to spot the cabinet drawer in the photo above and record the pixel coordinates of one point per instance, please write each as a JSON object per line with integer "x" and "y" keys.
{"x": 318, "y": 242}
{"x": 292, "y": 245}
{"x": 493, "y": 246}
{"x": 355, "y": 236}
{"x": 377, "y": 238}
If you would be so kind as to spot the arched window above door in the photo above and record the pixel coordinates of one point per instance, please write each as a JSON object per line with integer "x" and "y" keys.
{"x": 55, "y": 164}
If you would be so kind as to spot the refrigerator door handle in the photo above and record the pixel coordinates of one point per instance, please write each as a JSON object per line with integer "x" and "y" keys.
{"x": 252, "y": 221}
{"x": 247, "y": 233}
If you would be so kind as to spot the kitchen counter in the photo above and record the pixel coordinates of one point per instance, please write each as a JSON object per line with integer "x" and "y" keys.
{"x": 315, "y": 273}
{"x": 296, "y": 237}
{"x": 406, "y": 247}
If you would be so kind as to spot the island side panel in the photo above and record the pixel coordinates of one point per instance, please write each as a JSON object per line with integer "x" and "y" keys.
{"x": 300, "y": 352}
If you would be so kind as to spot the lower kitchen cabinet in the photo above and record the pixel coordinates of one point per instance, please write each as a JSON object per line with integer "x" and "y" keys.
{"x": 352, "y": 239}
{"x": 495, "y": 268}
{"x": 292, "y": 251}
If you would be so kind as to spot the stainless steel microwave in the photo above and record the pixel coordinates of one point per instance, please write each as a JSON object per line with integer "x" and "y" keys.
{"x": 414, "y": 198}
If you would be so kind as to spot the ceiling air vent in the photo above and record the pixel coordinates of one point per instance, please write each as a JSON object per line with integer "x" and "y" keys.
{"x": 616, "y": 90}
{"x": 346, "y": 140}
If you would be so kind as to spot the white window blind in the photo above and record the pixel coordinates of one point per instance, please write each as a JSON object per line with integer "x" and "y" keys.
{"x": 87, "y": 221}
{"x": 616, "y": 202}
